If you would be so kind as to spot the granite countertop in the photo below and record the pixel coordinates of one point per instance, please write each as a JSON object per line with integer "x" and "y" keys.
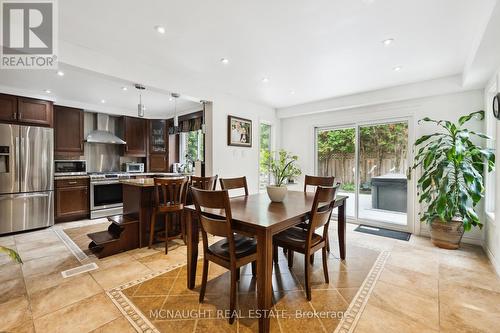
{"x": 71, "y": 177}
{"x": 144, "y": 182}
{"x": 132, "y": 174}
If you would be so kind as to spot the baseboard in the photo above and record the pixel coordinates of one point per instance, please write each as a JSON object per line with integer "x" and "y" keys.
{"x": 493, "y": 260}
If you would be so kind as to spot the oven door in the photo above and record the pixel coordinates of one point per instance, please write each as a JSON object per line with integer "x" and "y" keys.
{"x": 107, "y": 194}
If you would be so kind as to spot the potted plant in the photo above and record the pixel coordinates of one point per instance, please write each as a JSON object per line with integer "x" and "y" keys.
{"x": 11, "y": 253}
{"x": 282, "y": 168}
{"x": 451, "y": 184}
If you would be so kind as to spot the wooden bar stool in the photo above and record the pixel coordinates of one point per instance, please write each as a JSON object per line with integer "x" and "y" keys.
{"x": 169, "y": 198}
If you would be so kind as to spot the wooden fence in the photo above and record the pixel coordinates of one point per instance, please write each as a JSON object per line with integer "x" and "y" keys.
{"x": 344, "y": 168}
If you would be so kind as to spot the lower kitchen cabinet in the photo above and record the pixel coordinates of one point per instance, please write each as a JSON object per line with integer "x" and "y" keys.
{"x": 72, "y": 199}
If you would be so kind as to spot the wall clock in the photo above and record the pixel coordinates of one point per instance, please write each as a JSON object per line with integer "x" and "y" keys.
{"x": 496, "y": 106}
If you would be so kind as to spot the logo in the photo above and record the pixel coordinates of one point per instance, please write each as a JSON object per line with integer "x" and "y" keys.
{"x": 29, "y": 34}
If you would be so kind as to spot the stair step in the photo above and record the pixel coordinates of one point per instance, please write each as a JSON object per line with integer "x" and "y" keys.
{"x": 123, "y": 219}
{"x": 102, "y": 237}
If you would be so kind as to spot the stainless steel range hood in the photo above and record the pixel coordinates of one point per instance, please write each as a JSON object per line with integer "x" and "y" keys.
{"x": 103, "y": 133}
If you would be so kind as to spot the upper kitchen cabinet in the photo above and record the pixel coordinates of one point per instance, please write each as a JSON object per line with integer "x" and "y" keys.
{"x": 158, "y": 136}
{"x": 29, "y": 111}
{"x": 135, "y": 134}
{"x": 34, "y": 111}
{"x": 8, "y": 108}
{"x": 158, "y": 146}
{"x": 68, "y": 130}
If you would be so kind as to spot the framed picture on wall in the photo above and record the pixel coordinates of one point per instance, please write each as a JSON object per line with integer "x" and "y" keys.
{"x": 239, "y": 132}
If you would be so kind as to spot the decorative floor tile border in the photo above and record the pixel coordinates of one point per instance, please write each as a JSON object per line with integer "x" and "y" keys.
{"x": 355, "y": 309}
{"x": 68, "y": 242}
{"x": 128, "y": 309}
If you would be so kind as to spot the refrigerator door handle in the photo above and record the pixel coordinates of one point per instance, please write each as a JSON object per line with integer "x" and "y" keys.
{"x": 24, "y": 196}
{"x": 17, "y": 161}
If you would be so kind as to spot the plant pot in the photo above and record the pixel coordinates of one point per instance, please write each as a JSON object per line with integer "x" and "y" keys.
{"x": 447, "y": 235}
{"x": 277, "y": 193}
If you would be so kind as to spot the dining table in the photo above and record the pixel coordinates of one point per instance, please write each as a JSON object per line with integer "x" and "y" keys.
{"x": 255, "y": 215}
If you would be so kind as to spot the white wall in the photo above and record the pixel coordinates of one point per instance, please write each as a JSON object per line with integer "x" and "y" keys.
{"x": 297, "y": 133}
{"x": 229, "y": 161}
{"x": 492, "y": 234}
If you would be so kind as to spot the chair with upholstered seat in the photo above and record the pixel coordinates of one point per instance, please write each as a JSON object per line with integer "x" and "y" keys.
{"x": 307, "y": 241}
{"x": 232, "y": 252}
{"x": 318, "y": 181}
{"x": 204, "y": 183}
{"x": 234, "y": 183}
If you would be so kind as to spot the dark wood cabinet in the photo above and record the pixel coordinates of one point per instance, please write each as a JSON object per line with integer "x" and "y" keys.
{"x": 71, "y": 199}
{"x": 158, "y": 163}
{"x": 135, "y": 134}
{"x": 34, "y": 111}
{"x": 158, "y": 146}
{"x": 8, "y": 108}
{"x": 26, "y": 111}
{"x": 68, "y": 131}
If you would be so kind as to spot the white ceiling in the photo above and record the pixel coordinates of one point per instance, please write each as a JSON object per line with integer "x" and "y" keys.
{"x": 85, "y": 89}
{"x": 318, "y": 49}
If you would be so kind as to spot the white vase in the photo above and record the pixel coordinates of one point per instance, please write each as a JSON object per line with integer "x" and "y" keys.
{"x": 277, "y": 193}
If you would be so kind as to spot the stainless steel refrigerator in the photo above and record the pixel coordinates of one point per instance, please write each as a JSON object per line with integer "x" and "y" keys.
{"x": 26, "y": 177}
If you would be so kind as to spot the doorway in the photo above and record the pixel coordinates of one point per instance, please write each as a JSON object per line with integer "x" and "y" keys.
{"x": 371, "y": 161}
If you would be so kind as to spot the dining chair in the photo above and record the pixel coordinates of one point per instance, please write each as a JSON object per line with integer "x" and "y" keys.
{"x": 232, "y": 252}
{"x": 234, "y": 183}
{"x": 315, "y": 181}
{"x": 168, "y": 199}
{"x": 308, "y": 241}
{"x": 204, "y": 183}
{"x": 318, "y": 181}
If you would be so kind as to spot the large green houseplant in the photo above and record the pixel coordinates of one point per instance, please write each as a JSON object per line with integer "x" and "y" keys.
{"x": 283, "y": 167}
{"x": 451, "y": 184}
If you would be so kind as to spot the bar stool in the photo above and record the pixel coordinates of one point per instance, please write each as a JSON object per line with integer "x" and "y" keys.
{"x": 169, "y": 197}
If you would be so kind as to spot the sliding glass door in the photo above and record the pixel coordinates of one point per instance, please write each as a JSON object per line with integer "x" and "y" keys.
{"x": 370, "y": 160}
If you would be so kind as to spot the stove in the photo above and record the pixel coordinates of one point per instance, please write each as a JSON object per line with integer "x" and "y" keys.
{"x": 106, "y": 196}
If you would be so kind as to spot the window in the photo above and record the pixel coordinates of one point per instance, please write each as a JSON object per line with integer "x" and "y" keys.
{"x": 191, "y": 146}
{"x": 265, "y": 149}
{"x": 490, "y": 177}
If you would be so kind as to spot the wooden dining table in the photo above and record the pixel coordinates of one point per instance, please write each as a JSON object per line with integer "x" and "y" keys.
{"x": 255, "y": 215}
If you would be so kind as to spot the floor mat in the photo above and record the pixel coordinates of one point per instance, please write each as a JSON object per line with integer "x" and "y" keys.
{"x": 383, "y": 232}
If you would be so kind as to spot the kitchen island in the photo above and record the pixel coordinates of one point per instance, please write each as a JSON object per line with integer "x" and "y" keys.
{"x": 138, "y": 203}
{"x": 130, "y": 230}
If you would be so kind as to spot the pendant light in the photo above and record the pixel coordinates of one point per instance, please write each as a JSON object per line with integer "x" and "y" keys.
{"x": 176, "y": 117}
{"x": 141, "y": 108}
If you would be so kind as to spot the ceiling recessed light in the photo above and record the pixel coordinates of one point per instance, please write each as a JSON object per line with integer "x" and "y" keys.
{"x": 124, "y": 88}
{"x": 160, "y": 29}
{"x": 388, "y": 41}
{"x": 170, "y": 99}
{"x": 265, "y": 79}
{"x": 397, "y": 68}
{"x": 225, "y": 61}
{"x": 60, "y": 73}
{"x": 103, "y": 101}
{"x": 47, "y": 91}
{"x": 292, "y": 92}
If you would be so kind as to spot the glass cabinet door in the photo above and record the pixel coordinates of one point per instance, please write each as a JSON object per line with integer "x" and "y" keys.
{"x": 158, "y": 136}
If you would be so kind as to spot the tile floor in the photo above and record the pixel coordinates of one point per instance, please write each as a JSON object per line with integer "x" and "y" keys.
{"x": 421, "y": 288}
